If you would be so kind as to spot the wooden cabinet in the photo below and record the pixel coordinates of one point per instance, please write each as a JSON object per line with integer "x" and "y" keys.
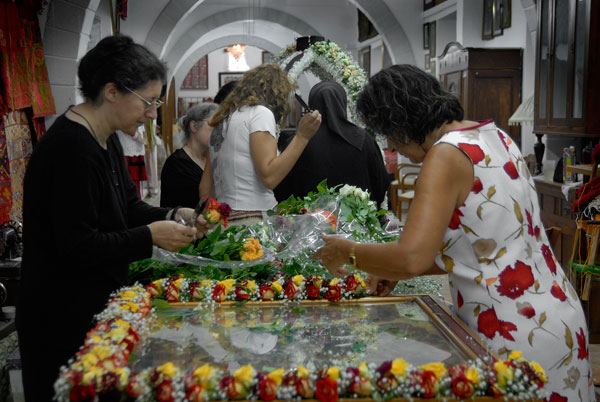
{"x": 567, "y": 96}
{"x": 556, "y": 212}
{"x": 487, "y": 81}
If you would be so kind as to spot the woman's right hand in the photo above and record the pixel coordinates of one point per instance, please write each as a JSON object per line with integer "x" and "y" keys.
{"x": 309, "y": 124}
{"x": 171, "y": 235}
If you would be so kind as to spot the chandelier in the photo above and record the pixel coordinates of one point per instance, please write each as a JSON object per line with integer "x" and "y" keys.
{"x": 236, "y": 50}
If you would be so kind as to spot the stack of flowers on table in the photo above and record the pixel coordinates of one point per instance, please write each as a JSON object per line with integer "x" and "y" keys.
{"x": 99, "y": 372}
{"x": 280, "y": 287}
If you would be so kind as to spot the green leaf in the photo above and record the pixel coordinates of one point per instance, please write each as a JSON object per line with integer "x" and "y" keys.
{"x": 161, "y": 304}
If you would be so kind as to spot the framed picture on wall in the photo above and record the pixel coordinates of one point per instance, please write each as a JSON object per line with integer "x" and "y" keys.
{"x": 225, "y": 77}
{"x": 432, "y": 39}
{"x": 496, "y": 18}
{"x": 426, "y": 36}
{"x": 364, "y": 59}
{"x": 426, "y": 64}
{"x": 197, "y": 77}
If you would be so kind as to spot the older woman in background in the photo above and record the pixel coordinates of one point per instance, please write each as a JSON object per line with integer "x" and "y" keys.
{"x": 182, "y": 171}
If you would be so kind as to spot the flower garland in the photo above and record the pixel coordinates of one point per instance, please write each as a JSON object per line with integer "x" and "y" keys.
{"x": 328, "y": 62}
{"x": 99, "y": 370}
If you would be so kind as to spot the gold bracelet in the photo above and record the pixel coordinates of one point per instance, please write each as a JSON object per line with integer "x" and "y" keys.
{"x": 352, "y": 257}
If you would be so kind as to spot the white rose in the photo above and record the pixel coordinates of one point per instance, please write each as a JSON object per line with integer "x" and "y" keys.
{"x": 346, "y": 190}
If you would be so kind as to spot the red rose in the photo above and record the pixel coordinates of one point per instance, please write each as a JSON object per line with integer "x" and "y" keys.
{"x": 304, "y": 389}
{"x": 514, "y": 282}
{"x": 511, "y": 170}
{"x": 351, "y": 283}
{"x": 474, "y": 152}
{"x": 334, "y": 293}
{"x": 172, "y": 293}
{"x": 164, "y": 393}
{"x": 557, "y": 292}
{"x": 233, "y": 389}
{"x": 241, "y": 294}
{"x": 81, "y": 393}
{"x": 583, "y": 351}
{"x": 266, "y": 292}
{"x": 359, "y": 385}
{"x": 461, "y": 386}
{"x": 525, "y": 309}
{"x": 430, "y": 384}
{"x": 477, "y": 186}
{"x": 196, "y": 393}
{"x": 488, "y": 324}
{"x": 219, "y": 293}
{"x": 152, "y": 289}
{"x": 557, "y": 398}
{"x": 135, "y": 387}
{"x": 455, "y": 220}
{"x": 459, "y": 299}
{"x": 196, "y": 291}
{"x": 547, "y": 253}
{"x": 267, "y": 389}
{"x": 290, "y": 290}
{"x": 386, "y": 380}
{"x": 224, "y": 209}
{"x": 313, "y": 292}
{"x": 326, "y": 390}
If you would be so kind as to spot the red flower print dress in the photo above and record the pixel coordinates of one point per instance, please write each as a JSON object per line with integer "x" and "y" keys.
{"x": 504, "y": 278}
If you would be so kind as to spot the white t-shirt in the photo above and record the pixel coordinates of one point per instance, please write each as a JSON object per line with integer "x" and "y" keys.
{"x": 235, "y": 178}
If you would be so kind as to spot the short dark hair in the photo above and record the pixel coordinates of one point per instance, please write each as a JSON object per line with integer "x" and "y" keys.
{"x": 224, "y": 91}
{"x": 405, "y": 103}
{"x": 120, "y": 60}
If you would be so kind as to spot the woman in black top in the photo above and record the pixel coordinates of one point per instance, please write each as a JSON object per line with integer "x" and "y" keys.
{"x": 82, "y": 219}
{"x": 340, "y": 151}
{"x": 182, "y": 171}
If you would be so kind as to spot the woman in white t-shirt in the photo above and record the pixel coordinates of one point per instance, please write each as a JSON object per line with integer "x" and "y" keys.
{"x": 244, "y": 163}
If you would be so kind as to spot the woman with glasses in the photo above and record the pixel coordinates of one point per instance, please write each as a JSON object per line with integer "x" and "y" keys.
{"x": 182, "y": 171}
{"x": 244, "y": 163}
{"x": 83, "y": 221}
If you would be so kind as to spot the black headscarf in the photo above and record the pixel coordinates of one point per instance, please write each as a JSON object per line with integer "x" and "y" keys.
{"x": 329, "y": 98}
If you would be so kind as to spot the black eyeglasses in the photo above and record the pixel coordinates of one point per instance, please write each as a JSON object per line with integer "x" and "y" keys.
{"x": 149, "y": 105}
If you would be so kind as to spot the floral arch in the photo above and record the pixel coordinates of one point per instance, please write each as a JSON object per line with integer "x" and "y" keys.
{"x": 328, "y": 62}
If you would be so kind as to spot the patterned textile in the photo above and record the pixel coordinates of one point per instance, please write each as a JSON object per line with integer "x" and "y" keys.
{"x": 42, "y": 100}
{"x": 5, "y": 191}
{"x": 505, "y": 281}
{"x": 19, "y": 148}
{"x": 14, "y": 67}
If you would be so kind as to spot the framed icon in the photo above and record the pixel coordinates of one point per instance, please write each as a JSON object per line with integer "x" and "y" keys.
{"x": 226, "y": 77}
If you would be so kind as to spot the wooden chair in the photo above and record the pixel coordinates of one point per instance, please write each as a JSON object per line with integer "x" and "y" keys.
{"x": 406, "y": 178}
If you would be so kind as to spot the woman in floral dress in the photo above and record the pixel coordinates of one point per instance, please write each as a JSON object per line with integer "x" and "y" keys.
{"x": 476, "y": 217}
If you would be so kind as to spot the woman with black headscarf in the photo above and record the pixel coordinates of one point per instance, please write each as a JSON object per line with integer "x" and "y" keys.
{"x": 340, "y": 151}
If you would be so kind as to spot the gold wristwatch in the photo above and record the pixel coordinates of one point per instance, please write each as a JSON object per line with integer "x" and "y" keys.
{"x": 352, "y": 258}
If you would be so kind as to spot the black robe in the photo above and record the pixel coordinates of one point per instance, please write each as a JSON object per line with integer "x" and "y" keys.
{"x": 340, "y": 151}
{"x": 83, "y": 223}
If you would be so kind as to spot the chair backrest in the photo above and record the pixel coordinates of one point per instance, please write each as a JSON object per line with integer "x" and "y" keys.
{"x": 406, "y": 175}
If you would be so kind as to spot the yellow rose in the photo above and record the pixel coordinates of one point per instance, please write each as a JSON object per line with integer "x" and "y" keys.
{"x": 276, "y": 375}
{"x": 244, "y": 375}
{"x": 91, "y": 374}
{"x": 318, "y": 281}
{"x": 228, "y": 283}
{"x": 122, "y": 324}
{"x": 204, "y": 374}
{"x": 158, "y": 284}
{"x": 128, "y": 295}
{"x": 360, "y": 280}
{"x": 88, "y": 360}
{"x": 363, "y": 369}
{"x": 503, "y": 372}
{"x": 334, "y": 282}
{"x": 96, "y": 339}
{"x": 297, "y": 279}
{"x": 333, "y": 373}
{"x": 251, "y": 285}
{"x": 102, "y": 352}
{"x": 123, "y": 376}
{"x": 179, "y": 283}
{"x": 515, "y": 355}
{"x": 302, "y": 371}
{"x": 539, "y": 371}
{"x": 168, "y": 369}
{"x": 472, "y": 375}
{"x": 206, "y": 283}
{"x": 437, "y": 368}
{"x": 399, "y": 368}
{"x": 276, "y": 286}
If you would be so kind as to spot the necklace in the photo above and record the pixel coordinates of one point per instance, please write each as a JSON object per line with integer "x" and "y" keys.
{"x": 89, "y": 125}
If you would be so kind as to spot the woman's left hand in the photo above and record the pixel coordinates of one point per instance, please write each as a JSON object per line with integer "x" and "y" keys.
{"x": 334, "y": 254}
{"x": 186, "y": 216}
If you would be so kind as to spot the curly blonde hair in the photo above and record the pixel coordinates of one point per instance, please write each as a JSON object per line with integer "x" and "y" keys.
{"x": 266, "y": 85}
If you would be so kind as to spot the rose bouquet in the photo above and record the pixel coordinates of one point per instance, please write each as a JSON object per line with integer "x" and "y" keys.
{"x": 217, "y": 212}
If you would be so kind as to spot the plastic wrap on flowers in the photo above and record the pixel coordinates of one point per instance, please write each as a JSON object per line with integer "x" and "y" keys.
{"x": 280, "y": 237}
